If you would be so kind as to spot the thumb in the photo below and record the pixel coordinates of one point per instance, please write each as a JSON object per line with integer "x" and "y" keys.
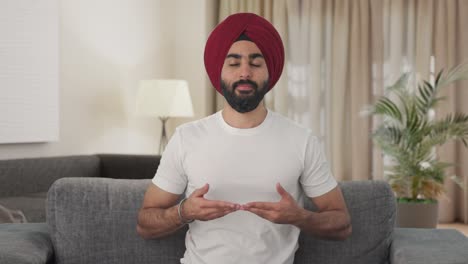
{"x": 281, "y": 190}
{"x": 201, "y": 191}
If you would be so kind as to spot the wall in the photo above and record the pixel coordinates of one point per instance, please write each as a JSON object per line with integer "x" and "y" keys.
{"x": 106, "y": 47}
{"x": 194, "y": 23}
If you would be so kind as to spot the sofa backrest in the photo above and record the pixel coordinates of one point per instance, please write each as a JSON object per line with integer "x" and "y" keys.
{"x": 128, "y": 166}
{"x": 33, "y": 175}
{"x": 24, "y": 182}
{"x": 93, "y": 220}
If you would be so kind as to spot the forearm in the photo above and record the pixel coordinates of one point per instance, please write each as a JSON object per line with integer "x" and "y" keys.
{"x": 157, "y": 222}
{"x": 333, "y": 225}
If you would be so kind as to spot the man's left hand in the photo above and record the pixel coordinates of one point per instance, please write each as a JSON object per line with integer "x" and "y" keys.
{"x": 286, "y": 211}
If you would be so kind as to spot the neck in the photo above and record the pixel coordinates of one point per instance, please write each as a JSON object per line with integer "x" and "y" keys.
{"x": 244, "y": 120}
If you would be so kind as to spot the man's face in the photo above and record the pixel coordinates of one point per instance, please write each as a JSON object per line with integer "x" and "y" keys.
{"x": 244, "y": 77}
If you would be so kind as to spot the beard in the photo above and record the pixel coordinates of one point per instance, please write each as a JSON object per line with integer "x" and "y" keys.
{"x": 244, "y": 103}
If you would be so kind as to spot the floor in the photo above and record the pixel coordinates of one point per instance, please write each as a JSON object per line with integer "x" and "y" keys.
{"x": 459, "y": 226}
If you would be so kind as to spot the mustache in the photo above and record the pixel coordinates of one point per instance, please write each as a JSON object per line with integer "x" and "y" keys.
{"x": 252, "y": 83}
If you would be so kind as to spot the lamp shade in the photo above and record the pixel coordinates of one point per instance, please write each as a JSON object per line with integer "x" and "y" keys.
{"x": 164, "y": 98}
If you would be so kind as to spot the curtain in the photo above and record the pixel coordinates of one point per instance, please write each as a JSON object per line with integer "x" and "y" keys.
{"x": 340, "y": 56}
{"x": 330, "y": 78}
{"x": 450, "y": 48}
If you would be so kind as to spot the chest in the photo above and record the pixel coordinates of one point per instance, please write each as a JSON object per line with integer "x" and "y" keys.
{"x": 244, "y": 169}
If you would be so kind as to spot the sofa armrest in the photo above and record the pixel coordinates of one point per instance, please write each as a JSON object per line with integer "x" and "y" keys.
{"x": 25, "y": 243}
{"x": 426, "y": 246}
{"x": 127, "y": 166}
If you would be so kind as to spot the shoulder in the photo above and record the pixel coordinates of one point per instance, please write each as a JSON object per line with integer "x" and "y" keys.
{"x": 297, "y": 135}
{"x": 197, "y": 126}
{"x": 291, "y": 127}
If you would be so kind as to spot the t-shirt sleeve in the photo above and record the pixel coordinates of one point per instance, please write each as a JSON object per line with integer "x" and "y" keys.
{"x": 316, "y": 178}
{"x": 170, "y": 175}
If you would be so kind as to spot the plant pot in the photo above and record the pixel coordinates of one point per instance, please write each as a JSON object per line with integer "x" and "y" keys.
{"x": 417, "y": 215}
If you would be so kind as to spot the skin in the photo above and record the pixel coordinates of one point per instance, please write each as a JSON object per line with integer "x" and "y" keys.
{"x": 158, "y": 216}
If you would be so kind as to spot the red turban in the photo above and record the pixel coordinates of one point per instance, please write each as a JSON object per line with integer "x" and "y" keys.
{"x": 256, "y": 28}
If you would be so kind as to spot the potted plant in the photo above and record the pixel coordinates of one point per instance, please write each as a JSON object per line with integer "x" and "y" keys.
{"x": 408, "y": 134}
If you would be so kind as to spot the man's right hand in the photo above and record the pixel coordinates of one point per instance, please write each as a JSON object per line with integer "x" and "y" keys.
{"x": 198, "y": 208}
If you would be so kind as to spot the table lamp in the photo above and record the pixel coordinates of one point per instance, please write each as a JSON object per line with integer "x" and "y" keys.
{"x": 164, "y": 99}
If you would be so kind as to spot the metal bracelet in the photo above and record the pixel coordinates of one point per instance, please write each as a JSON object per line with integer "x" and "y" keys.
{"x": 179, "y": 210}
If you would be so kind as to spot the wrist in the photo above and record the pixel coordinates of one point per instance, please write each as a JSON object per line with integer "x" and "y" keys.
{"x": 181, "y": 214}
{"x": 301, "y": 218}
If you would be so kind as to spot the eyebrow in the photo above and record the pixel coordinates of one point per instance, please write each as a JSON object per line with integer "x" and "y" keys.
{"x": 238, "y": 56}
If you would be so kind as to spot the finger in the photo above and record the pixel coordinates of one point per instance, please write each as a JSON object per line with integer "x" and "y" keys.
{"x": 207, "y": 212}
{"x": 212, "y": 211}
{"x": 218, "y": 214}
{"x": 201, "y": 191}
{"x": 281, "y": 191}
{"x": 214, "y": 216}
{"x": 261, "y": 205}
{"x": 218, "y": 204}
{"x": 225, "y": 212}
{"x": 262, "y": 213}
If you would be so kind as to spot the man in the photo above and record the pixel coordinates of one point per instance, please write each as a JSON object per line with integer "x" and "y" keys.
{"x": 245, "y": 170}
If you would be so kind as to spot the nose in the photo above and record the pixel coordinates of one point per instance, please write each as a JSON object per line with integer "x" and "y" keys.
{"x": 245, "y": 71}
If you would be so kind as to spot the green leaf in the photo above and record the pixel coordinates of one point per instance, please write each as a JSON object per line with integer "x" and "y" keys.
{"x": 438, "y": 77}
{"x": 408, "y": 137}
{"x": 386, "y": 107}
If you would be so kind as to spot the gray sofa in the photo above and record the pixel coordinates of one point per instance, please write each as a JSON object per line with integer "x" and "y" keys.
{"x": 93, "y": 220}
{"x": 25, "y": 182}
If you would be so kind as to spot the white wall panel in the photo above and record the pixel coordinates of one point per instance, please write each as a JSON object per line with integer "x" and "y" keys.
{"x": 29, "y": 106}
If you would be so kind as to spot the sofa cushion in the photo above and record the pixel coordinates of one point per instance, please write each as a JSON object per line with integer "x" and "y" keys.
{"x": 93, "y": 220}
{"x": 32, "y": 205}
{"x": 371, "y": 205}
{"x": 25, "y": 243}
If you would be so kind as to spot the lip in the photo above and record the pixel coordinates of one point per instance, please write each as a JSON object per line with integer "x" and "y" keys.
{"x": 244, "y": 87}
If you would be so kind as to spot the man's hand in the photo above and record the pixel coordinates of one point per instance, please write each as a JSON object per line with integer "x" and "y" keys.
{"x": 286, "y": 211}
{"x": 198, "y": 208}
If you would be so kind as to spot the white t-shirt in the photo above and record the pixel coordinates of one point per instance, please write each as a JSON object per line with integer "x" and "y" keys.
{"x": 241, "y": 166}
